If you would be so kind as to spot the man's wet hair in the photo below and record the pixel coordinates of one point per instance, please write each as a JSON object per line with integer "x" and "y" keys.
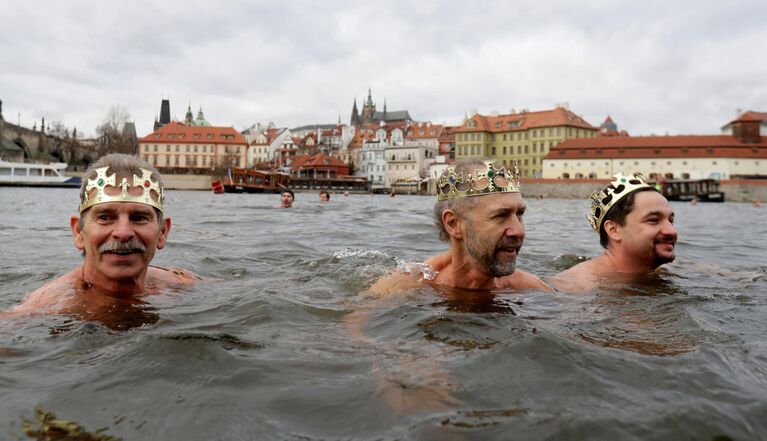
{"x": 618, "y": 213}
{"x": 122, "y": 165}
{"x": 286, "y": 190}
{"x": 459, "y": 205}
{"x": 325, "y": 193}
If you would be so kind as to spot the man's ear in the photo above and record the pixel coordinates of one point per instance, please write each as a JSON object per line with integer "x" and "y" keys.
{"x": 613, "y": 230}
{"x": 452, "y": 224}
{"x": 77, "y": 232}
{"x": 164, "y": 233}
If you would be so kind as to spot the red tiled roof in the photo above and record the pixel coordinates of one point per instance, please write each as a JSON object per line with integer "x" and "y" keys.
{"x": 318, "y": 161}
{"x": 525, "y": 120}
{"x": 178, "y": 133}
{"x": 421, "y": 131}
{"x": 692, "y": 146}
{"x": 751, "y": 116}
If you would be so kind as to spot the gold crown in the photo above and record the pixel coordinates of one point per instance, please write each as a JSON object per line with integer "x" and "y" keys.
{"x": 603, "y": 200}
{"x": 492, "y": 179}
{"x": 101, "y": 182}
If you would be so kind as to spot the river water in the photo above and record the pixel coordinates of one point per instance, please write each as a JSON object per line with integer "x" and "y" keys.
{"x": 282, "y": 342}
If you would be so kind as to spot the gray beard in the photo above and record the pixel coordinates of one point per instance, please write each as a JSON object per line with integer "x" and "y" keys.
{"x": 489, "y": 261}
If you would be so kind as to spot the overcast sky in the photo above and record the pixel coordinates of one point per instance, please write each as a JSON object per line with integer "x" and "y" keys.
{"x": 654, "y": 66}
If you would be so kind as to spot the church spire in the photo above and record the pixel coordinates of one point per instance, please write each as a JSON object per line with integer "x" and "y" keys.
{"x": 355, "y": 119}
{"x": 189, "y": 117}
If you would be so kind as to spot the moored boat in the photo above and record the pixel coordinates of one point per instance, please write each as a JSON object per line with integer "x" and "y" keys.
{"x": 700, "y": 190}
{"x": 31, "y": 174}
{"x": 243, "y": 180}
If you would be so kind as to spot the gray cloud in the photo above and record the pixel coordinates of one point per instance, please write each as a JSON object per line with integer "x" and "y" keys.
{"x": 654, "y": 66}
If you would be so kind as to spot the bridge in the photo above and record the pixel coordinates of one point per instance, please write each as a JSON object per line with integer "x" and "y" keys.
{"x": 36, "y": 144}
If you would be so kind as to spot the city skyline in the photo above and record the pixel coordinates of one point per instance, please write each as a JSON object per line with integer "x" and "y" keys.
{"x": 684, "y": 71}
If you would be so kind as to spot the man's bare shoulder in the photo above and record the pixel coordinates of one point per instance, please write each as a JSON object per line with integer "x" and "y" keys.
{"x": 579, "y": 278}
{"x": 395, "y": 282}
{"x": 48, "y": 295}
{"x": 172, "y": 276}
{"x": 523, "y": 280}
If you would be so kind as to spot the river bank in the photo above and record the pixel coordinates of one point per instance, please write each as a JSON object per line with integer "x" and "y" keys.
{"x": 735, "y": 190}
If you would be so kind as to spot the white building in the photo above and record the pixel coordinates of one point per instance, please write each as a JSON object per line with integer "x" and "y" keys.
{"x": 407, "y": 165}
{"x": 674, "y": 157}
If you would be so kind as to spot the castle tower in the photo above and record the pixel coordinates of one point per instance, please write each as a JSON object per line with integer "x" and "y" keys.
{"x": 164, "y": 115}
{"x": 368, "y": 109}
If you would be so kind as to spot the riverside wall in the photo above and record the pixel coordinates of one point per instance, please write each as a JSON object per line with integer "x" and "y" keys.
{"x": 735, "y": 190}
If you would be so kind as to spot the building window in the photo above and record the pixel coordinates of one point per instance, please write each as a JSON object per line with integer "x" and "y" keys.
{"x": 177, "y": 148}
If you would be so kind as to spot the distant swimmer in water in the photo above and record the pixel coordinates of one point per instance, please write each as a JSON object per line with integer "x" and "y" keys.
{"x": 480, "y": 211}
{"x": 636, "y": 228}
{"x": 324, "y": 196}
{"x": 286, "y": 198}
{"x": 120, "y": 227}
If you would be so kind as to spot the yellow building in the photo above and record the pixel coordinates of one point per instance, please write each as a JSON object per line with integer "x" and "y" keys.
{"x": 523, "y": 136}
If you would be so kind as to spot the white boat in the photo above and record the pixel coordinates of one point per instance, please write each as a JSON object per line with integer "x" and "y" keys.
{"x": 31, "y": 174}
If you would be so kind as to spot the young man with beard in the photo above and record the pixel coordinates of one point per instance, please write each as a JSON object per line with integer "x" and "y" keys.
{"x": 120, "y": 227}
{"x": 480, "y": 211}
{"x": 636, "y": 228}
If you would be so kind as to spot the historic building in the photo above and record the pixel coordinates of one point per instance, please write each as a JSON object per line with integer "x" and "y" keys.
{"x": 673, "y": 157}
{"x": 370, "y": 114}
{"x": 270, "y": 144}
{"x": 179, "y": 148}
{"x": 164, "y": 115}
{"x": 407, "y": 166}
{"x": 748, "y": 123}
{"x": 523, "y": 136}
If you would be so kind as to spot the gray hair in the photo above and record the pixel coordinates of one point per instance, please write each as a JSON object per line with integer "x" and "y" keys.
{"x": 460, "y": 206}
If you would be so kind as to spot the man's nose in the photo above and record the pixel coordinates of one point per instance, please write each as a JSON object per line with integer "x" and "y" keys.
{"x": 515, "y": 228}
{"x": 669, "y": 230}
{"x": 123, "y": 230}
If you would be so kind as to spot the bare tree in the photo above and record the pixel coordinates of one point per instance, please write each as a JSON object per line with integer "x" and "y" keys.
{"x": 110, "y": 131}
{"x": 58, "y": 129}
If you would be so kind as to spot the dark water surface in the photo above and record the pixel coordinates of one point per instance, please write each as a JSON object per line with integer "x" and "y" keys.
{"x": 281, "y": 342}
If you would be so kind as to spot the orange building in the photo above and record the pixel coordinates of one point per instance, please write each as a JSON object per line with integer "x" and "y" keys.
{"x": 186, "y": 149}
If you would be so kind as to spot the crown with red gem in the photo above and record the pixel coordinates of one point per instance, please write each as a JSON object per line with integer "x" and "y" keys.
{"x": 603, "y": 200}
{"x": 103, "y": 189}
{"x": 495, "y": 178}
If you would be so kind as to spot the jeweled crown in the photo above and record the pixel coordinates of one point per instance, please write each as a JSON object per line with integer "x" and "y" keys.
{"x": 495, "y": 178}
{"x": 151, "y": 190}
{"x": 603, "y": 200}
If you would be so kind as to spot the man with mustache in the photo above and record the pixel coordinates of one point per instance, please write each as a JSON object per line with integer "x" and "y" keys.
{"x": 120, "y": 227}
{"x": 636, "y": 228}
{"x": 480, "y": 211}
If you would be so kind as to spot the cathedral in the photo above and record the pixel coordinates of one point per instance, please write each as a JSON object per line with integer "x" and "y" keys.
{"x": 371, "y": 115}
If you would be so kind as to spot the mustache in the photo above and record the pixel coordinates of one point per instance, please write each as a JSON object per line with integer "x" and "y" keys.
{"x": 509, "y": 243}
{"x": 666, "y": 239}
{"x": 129, "y": 246}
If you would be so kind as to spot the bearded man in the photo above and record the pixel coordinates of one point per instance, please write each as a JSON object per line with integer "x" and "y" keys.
{"x": 636, "y": 228}
{"x": 480, "y": 211}
{"x": 120, "y": 227}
